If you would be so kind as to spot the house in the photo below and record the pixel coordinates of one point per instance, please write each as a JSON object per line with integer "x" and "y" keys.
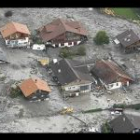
{"x": 35, "y": 89}
{"x": 72, "y": 76}
{"x": 61, "y": 33}
{"x": 110, "y": 75}
{"x": 128, "y": 40}
{"x": 125, "y": 123}
{"x": 15, "y": 35}
{"x": 3, "y": 57}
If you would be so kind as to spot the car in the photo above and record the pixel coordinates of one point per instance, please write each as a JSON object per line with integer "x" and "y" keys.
{"x": 116, "y": 113}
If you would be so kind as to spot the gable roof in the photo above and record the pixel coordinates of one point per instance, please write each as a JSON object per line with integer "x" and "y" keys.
{"x": 60, "y": 26}
{"x": 13, "y": 27}
{"x": 125, "y": 123}
{"x": 31, "y": 85}
{"x": 108, "y": 71}
{"x": 67, "y": 73}
{"x": 127, "y": 38}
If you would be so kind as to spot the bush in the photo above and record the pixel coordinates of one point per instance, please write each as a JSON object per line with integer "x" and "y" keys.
{"x": 8, "y": 14}
{"x": 119, "y": 106}
{"x": 106, "y": 128}
{"x": 81, "y": 50}
{"x": 101, "y": 38}
{"x": 134, "y": 106}
{"x": 65, "y": 53}
{"x": 15, "y": 92}
{"x": 92, "y": 110}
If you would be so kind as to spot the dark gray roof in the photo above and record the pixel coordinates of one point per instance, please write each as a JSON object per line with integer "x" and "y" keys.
{"x": 67, "y": 72}
{"x": 3, "y": 58}
{"x": 127, "y": 38}
{"x": 125, "y": 123}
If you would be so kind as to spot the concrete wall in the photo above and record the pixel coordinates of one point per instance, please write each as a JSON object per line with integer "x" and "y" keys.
{"x": 114, "y": 86}
{"x": 65, "y": 44}
{"x": 77, "y": 88}
{"x": 18, "y": 42}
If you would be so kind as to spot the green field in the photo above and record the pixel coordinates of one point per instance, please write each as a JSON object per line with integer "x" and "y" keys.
{"x": 128, "y": 13}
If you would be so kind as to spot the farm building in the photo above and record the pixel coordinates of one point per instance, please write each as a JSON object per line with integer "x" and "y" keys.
{"x": 35, "y": 89}
{"x": 128, "y": 40}
{"x": 72, "y": 76}
{"x": 61, "y": 33}
{"x": 110, "y": 75}
{"x": 15, "y": 34}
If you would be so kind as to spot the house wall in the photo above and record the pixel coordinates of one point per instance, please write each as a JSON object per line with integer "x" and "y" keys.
{"x": 113, "y": 86}
{"x": 122, "y": 82}
{"x": 38, "y": 95}
{"x": 18, "y": 42}
{"x": 77, "y": 87}
{"x": 67, "y": 39}
{"x": 17, "y": 35}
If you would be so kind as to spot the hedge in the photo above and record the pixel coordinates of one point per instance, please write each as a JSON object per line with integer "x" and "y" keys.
{"x": 93, "y": 110}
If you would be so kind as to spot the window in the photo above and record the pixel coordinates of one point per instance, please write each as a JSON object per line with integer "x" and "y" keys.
{"x": 84, "y": 87}
{"x": 70, "y": 43}
{"x": 111, "y": 85}
{"x": 69, "y": 87}
{"x": 62, "y": 44}
{"x": 117, "y": 84}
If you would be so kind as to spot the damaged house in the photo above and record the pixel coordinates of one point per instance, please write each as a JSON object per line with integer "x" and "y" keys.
{"x": 61, "y": 33}
{"x": 73, "y": 77}
{"x": 110, "y": 75}
{"x": 16, "y": 35}
{"x": 126, "y": 123}
{"x": 128, "y": 40}
{"x": 35, "y": 89}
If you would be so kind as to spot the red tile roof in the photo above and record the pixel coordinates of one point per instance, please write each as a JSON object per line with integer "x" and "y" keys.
{"x": 31, "y": 85}
{"x": 60, "y": 26}
{"x": 13, "y": 27}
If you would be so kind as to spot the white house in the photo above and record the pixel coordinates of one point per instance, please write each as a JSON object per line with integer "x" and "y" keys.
{"x": 72, "y": 77}
{"x": 16, "y": 35}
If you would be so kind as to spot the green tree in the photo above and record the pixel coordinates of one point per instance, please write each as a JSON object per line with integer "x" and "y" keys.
{"x": 65, "y": 53}
{"x": 101, "y": 38}
{"x": 81, "y": 50}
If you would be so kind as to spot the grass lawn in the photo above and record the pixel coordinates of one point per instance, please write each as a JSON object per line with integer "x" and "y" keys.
{"x": 128, "y": 13}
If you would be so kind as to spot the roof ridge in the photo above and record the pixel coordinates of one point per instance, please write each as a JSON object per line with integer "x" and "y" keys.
{"x": 72, "y": 69}
{"x": 114, "y": 70}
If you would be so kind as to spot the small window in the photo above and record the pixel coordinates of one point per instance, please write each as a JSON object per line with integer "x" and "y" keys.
{"x": 70, "y": 43}
{"x": 111, "y": 85}
{"x": 62, "y": 44}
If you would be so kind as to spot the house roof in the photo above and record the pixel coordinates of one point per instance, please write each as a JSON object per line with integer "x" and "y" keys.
{"x": 13, "y": 27}
{"x": 127, "y": 38}
{"x": 108, "y": 71}
{"x": 125, "y": 123}
{"x": 67, "y": 72}
{"x": 60, "y": 26}
{"x": 31, "y": 85}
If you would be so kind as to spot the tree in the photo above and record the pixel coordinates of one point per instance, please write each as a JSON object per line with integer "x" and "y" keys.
{"x": 65, "y": 53}
{"x": 101, "y": 38}
{"x": 81, "y": 50}
{"x": 8, "y": 14}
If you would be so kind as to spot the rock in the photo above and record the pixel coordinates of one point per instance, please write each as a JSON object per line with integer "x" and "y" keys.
{"x": 14, "y": 86}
